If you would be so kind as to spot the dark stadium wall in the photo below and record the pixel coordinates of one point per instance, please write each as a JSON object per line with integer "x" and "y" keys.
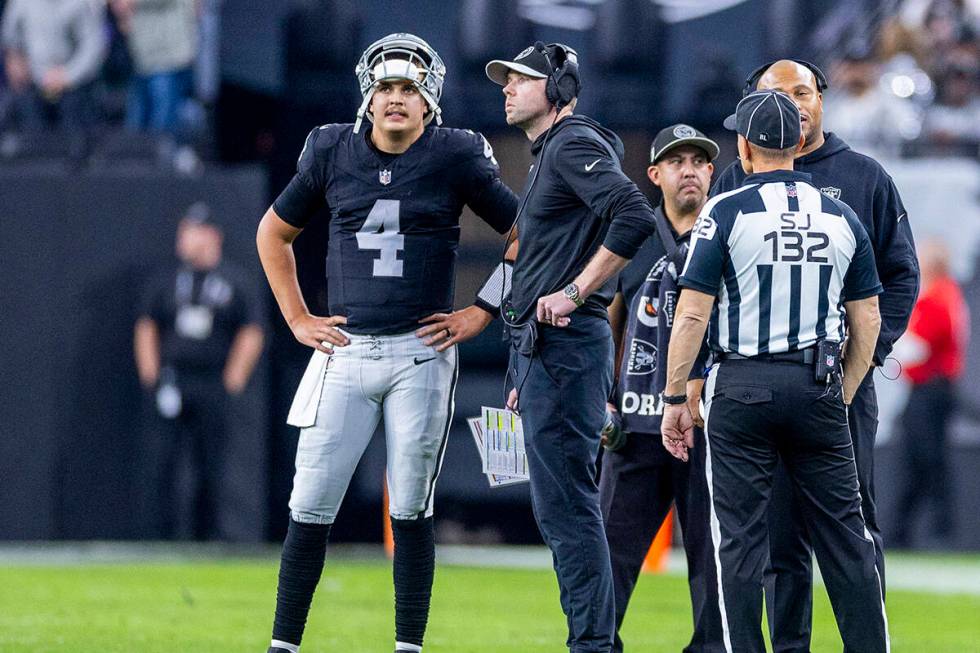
{"x": 76, "y": 248}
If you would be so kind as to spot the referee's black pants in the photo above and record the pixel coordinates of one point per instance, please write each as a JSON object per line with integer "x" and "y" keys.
{"x": 637, "y": 486}
{"x": 756, "y": 413}
{"x": 563, "y": 388}
{"x": 789, "y": 578}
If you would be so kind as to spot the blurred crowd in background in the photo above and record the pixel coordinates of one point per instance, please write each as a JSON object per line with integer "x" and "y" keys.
{"x": 81, "y": 67}
{"x": 904, "y": 74}
{"x": 911, "y": 88}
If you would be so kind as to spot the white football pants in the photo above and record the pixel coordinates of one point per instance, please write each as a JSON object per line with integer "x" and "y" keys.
{"x": 395, "y": 377}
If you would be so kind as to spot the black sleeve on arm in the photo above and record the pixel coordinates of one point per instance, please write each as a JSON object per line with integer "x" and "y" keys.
{"x": 298, "y": 202}
{"x": 305, "y": 194}
{"x": 898, "y": 266}
{"x": 591, "y": 171}
{"x": 151, "y": 300}
{"x": 492, "y": 201}
{"x": 484, "y": 192}
{"x": 254, "y": 300}
{"x": 861, "y": 279}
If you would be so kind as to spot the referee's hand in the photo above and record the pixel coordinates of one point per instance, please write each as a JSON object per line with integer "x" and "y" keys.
{"x": 554, "y": 309}
{"x": 677, "y": 430}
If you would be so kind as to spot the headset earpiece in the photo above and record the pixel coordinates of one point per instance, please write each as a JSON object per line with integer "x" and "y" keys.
{"x": 563, "y": 83}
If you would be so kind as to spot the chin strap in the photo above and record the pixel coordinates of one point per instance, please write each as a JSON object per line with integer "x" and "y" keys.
{"x": 362, "y": 111}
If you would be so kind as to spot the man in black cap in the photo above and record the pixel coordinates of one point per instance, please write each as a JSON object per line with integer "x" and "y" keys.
{"x": 859, "y": 181}
{"x": 639, "y": 480}
{"x": 775, "y": 264}
{"x": 579, "y": 222}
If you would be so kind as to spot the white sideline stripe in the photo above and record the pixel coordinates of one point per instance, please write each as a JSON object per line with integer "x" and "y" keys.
{"x": 917, "y": 573}
{"x": 709, "y": 392}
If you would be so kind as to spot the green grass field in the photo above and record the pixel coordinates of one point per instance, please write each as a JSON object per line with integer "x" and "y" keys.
{"x": 226, "y": 606}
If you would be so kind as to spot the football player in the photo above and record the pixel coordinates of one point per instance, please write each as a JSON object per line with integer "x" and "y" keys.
{"x": 394, "y": 191}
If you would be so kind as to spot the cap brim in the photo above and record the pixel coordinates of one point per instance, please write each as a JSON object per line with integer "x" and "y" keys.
{"x": 497, "y": 71}
{"x": 706, "y": 144}
{"x": 730, "y": 122}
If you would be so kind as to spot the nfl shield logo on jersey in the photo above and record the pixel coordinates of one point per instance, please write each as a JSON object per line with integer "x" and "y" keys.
{"x": 831, "y": 191}
{"x": 384, "y": 176}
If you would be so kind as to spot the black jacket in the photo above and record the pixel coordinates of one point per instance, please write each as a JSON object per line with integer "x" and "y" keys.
{"x": 580, "y": 199}
{"x": 861, "y": 183}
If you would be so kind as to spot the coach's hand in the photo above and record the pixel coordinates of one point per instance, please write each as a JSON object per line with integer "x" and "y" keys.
{"x": 319, "y": 332}
{"x": 512, "y": 400}
{"x": 677, "y": 430}
{"x": 443, "y": 330}
{"x": 555, "y": 308}
{"x": 694, "y": 401}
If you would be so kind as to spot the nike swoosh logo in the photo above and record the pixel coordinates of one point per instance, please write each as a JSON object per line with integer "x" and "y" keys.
{"x": 588, "y": 167}
{"x": 419, "y": 361}
{"x": 901, "y": 216}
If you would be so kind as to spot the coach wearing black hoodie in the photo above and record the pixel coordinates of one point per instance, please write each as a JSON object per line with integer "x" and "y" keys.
{"x": 862, "y": 184}
{"x": 580, "y": 221}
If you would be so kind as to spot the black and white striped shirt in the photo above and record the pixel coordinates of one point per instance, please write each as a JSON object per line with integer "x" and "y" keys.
{"x": 781, "y": 258}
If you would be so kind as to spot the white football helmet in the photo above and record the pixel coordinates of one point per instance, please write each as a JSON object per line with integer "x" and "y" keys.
{"x": 401, "y": 56}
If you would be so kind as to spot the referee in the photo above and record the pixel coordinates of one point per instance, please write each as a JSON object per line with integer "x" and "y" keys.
{"x": 778, "y": 259}
{"x": 579, "y": 222}
{"x": 860, "y": 182}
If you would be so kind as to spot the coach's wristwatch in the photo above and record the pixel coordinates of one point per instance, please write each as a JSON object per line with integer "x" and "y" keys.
{"x": 572, "y": 293}
{"x": 673, "y": 400}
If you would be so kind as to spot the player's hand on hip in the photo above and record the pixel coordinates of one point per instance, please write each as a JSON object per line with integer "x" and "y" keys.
{"x": 443, "y": 330}
{"x": 554, "y": 309}
{"x": 677, "y": 430}
{"x": 319, "y": 332}
{"x": 694, "y": 387}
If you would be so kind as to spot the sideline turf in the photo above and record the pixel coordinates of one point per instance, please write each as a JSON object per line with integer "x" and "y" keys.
{"x": 227, "y": 607}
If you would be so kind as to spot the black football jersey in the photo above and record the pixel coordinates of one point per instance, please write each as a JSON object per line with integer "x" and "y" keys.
{"x": 394, "y": 220}
{"x": 199, "y": 313}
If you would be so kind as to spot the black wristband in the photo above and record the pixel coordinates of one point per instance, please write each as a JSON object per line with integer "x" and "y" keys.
{"x": 489, "y": 308}
{"x": 495, "y": 288}
{"x": 673, "y": 400}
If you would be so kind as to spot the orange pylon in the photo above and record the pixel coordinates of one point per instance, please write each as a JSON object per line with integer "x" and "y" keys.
{"x": 656, "y": 559}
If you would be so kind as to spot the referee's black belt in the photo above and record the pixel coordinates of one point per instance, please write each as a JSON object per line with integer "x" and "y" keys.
{"x": 803, "y": 357}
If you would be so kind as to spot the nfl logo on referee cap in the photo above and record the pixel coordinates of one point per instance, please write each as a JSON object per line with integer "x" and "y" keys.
{"x": 384, "y": 176}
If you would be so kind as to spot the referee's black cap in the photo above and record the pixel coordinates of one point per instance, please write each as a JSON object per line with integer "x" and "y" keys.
{"x": 769, "y": 119}
{"x": 680, "y": 134}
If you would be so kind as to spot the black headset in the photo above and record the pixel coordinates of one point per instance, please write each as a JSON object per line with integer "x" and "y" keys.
{"x": 564, "y": 82}
{"x": 753, "y": 79}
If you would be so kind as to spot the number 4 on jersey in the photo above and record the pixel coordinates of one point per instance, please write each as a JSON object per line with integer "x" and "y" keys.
{"x": 380, "y": 232}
